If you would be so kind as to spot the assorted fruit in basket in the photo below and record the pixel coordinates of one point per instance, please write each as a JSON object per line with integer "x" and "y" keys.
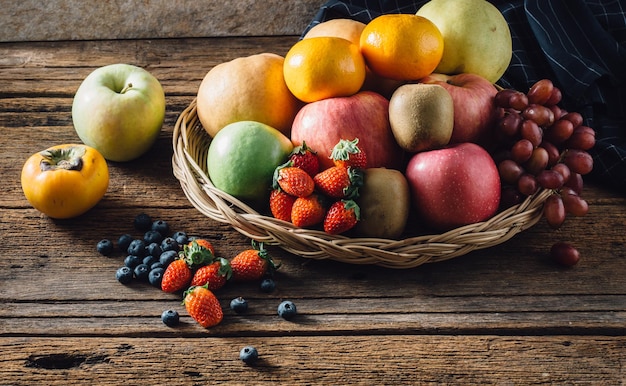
{"x": 442, "y": 146}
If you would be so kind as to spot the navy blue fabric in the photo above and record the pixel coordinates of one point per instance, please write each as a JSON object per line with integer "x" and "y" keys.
{"x": 579, "y": 44}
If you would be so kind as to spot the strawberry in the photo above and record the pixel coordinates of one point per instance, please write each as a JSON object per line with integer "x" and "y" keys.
{"x": 339, "y": 182}
{"x": 281, "y": 204}
{"x": 347, "y": 153}
{"x": 177, "y": 276}
{"x": 308, "y": 211}
{"x": 213, "y": 275}
{"x": 252, "y": 264}
{"x": 203, "y": 243}
{"x": 342, "y": 216}
{"x": 293, "y": 180}
{"x": 305, "y": 158}
{"x": 203, "y": 306}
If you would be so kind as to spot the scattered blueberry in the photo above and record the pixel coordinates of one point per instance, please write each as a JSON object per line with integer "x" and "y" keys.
{"x": 124, "y": 275}
{"x": 170, "y": 318}
{"x": 249, "y": 355}
{"x": 105, "y": 247}
{"x": 141, "y": 272}
{"x": 161, "y": 226}
{"x": 155, "y": 276}
{"x": 142, "y": 222}
{"x": 149, "y": 260}
{"x": 131, "y": 261}
{"x": 169, "y": 244}
{"x": 137, "y": 247}
{"x": 239, "y": 305}
{"x": 154, "y": 249}
{"x": 152, "y": 237}
{"x": 167, "y": 257}
{"x": 180, "y": 237}
{"x": 124, "y": 241}
{"x": 287, "y": 310}
{"x": 268, "y": 285}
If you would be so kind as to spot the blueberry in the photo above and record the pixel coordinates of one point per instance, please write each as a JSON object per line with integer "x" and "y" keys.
{"x": 152, "y": 237}
{"x": 137, "y": 247}
{"x": 239, "y": 305}
{"x": 268, "y": 285}
{"x": 149, "y": 260}
{"x": 131, "y": 261}
{"x": 167, "y": 257}
{"x": 124, "y": 241}
{"x": 105, "y": 247}
{"x": 141, "y": 272}
{"x": 287, "y": 309}
{"x": 161, "y": 226}
{"x": 169, "y": 244}
{"x": 170, "y": 318}
{"x": 154, "y": 249}
{"x": 155, "y": 276}
{"x": 156, "y": 265}
{"x": 180, "y": 237}
{"x": 124, "y": 275}
{"x": 142, "y": 222}
{"x": 249, "y": 355}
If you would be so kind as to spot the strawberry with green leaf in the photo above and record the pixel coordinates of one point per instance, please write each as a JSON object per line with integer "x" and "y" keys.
{"x": 213, "y": 275}
{"x": 293, "y": 180}
{"x": 339, "y": 182}
{"x": 347, "y": 153}
{"x": 252, "y": 264}
{"x": 341, "y": 217}
{"x": 203, "y": 306}
{"x": 305, "y": 158}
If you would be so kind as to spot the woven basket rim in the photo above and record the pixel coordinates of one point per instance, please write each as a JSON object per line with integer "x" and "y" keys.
{"x": 190, "y": 144}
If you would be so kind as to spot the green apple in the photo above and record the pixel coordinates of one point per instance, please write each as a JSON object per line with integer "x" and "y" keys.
{"x": 476, "y": 37}
{"x": 119, "y": 110}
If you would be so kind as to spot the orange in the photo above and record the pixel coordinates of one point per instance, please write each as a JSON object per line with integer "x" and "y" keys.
{"x": 402, "y": 46}
{"x": 324, "y": 67}
{"x": 250, "y": 88}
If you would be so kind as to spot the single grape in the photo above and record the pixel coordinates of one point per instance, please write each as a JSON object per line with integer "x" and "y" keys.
{"x": 510, "y": 123}
{"x": 527, "y": 184}
{"x": 518, "y": 101}
{"x": 573, "y": 203}
{"x": 521, "y": 151}
{"x": 563, "y": 170}
{"x": 510, "y": 171}
{"x": 542, "y": 115}
{"x": 550, "y": 179}
{"x": 540, "y": 92}
{"x": 509, "y": 196}
{"x": 557, "y": 111}
{"x": 555, "y": 97}
{"x": 503, "y": 97}
{"x": 574, "y": 117}
{"x": 564, "y": 254}
{"x": 553, "y": 152}
{"x": 579, "y": 161}
{"x": 538, "y": 161}
{"x": 560, "y": 131}
{"x": 531, "y": 131}
{"x": 554, "y": 211}
{"x": 575, "y": 182}
{"x": 583, "y": 138}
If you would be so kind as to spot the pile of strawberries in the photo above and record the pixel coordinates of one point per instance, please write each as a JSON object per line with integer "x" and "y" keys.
{"x": 200, "y": 272}
{"x": 308, "y": 197}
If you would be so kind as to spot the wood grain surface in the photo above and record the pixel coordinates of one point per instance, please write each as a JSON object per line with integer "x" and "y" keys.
{"x": 504, "y": 315}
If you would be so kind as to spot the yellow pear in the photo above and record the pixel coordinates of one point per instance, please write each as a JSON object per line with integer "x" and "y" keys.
{"x": 476, "y": 37}
{"x": 421, "y": 116}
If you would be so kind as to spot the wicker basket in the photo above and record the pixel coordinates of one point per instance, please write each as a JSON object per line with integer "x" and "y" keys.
{"x": 191, "y": 142}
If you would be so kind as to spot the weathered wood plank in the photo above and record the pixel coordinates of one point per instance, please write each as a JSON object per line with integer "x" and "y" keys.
{"x": 398, "y": 360}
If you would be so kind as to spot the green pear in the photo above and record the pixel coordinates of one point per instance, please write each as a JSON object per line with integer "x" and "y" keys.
{"x": 421, "y": 116}
{"x": 476, "y": 37}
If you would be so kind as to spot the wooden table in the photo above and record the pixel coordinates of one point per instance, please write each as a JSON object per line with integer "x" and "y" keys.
{"x": 504, "y": 315}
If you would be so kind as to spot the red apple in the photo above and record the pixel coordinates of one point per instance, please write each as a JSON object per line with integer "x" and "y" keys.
{"x": 474, "y": 108}
{"x": 454, "y": 186}
{"x": 365, "y": 116}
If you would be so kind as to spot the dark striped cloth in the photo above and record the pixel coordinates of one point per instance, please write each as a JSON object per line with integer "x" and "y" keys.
{"x": 580, "y": 45}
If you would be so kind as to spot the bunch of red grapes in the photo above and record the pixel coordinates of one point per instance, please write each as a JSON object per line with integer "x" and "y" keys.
{"x": 543, "y": 146}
